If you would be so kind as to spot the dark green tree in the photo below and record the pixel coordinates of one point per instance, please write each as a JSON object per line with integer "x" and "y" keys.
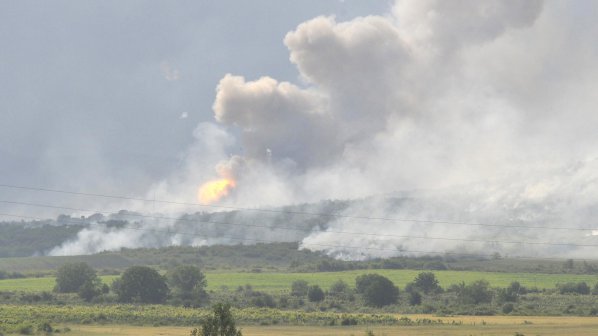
{"x": 507, "y": 308}
{"x": 377, "y": 290}
{"x": 415, "y": 298}
{"x": 89, "y": 290}
{"x": 70, "y": 277}
{"x": 574, "y": 288}
{"x": 511, "y": 293}
{"x": 477, "y": 292}
{"x": 426, "y": 282}
{"x": 339, "y": 287}
{"x": 315, "y": 294}
{"x": 299, "y": 288}
{"x": 188, "y": 284}
{"x": 261, "y": 299}
{"x": 141, "y": 284}
{"x": 222, "y": 323}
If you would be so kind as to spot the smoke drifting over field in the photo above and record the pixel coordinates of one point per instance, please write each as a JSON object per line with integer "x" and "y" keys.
{"x": 488, "y": 106}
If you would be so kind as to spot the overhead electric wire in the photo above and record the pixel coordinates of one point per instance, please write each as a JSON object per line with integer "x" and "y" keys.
{"x": 286, "y": 228}
{"x": 415, "y": 220}
{"x": 346, "y": 247}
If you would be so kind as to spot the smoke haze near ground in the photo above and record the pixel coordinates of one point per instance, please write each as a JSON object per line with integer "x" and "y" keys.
{"x": 485, "y": 111}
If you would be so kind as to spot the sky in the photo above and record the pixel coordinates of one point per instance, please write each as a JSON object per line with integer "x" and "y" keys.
{"x": 442, "y": 111}
{"x": 104, "y": 96}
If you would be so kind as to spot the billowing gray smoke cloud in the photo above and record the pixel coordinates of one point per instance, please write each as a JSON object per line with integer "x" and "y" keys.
{"x": 484, "y": 109}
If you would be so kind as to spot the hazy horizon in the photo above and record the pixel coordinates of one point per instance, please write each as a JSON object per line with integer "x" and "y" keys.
{"x": 487, "y": 106}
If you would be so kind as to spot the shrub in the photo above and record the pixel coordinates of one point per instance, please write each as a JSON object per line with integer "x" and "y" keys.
{"x": 348, "y": 321}
{"x": 339, "y": 287}
{"x": 299, "y": 288}
{"x": 507, "y": 308}
{"x": 474, "y": 293}
{"x": 45, "y": 327}
{"x": 221, "y": 323}
{"x": 70, "y": 277}
{"x": 511, "y": 293}
{"x": 25, "y": 329}
{"x": 315, "y": 294}
{"x": 188, "y": 284}
{"x": 581, "y": 288}
{"x": 89, "y": 290}
{"x": 377, "y": 290}
{"x": 426, "y": 282}
{"x": 141, "y": 284}
{"x": 415, "y": 298}
{"x": 260, "y": 299}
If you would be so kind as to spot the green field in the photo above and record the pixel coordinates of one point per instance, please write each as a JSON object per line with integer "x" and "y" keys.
{"x": 272, "y": 282}
{"x": 277, "y": 282}
{"x": 37, "y": 284}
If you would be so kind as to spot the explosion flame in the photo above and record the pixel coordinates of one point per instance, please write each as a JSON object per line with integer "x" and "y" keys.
{"x": 215, "y": 190}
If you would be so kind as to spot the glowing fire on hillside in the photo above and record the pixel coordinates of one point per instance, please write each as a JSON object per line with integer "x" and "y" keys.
{"x": 215, "y": 190}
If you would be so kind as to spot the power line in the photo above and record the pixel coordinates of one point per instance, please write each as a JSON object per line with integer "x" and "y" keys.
{"x": 414, "y": 220}
{"x": 347, "y": 247}
{"x": 309, "y": 230}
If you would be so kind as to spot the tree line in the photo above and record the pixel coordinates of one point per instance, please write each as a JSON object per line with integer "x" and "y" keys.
{"x": 185, "y": 285}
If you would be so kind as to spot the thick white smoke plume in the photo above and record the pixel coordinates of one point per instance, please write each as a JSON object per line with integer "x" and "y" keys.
{"x": 486, "y": 110}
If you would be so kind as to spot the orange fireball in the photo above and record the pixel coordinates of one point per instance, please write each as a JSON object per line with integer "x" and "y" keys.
{"x": 215, "y": 190}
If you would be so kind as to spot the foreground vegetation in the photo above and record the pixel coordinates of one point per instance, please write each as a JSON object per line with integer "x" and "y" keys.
{"x": 16, "y": 317}
{"x": 475, "y": 326}
{"x": 174, "y": 291}
{"x": 448, "y": 326}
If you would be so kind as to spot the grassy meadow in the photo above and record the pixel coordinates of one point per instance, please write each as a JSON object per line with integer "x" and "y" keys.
{"x": 25, "y": 306}
{"x": 277, "y": 282}
{"x": 272, "y": 282}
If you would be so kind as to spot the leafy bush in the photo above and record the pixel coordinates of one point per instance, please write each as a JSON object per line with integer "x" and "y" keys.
{"x": 299, "y": 288}
{"x": 474, "y": 293}
{"x": 45, "y": 327}
{"x": 260, "y": 299}
{"x": 25, "y": 329}
{"x": 141, "y": 284}
{"x": 315, "y": 294}
{"x": 415, "y": 298}
{"x": 377, "y": 290}
{"x": 70, "y": 277}
{"x": 348, "y": 321}
{"x": 426, "y": 282}
{"x": 511, "y": 293}
{"x": 10, "y": 275}
{"x": 188, "y": 284}
{"x": 221, "y": 323}
{"x": 89, "y": 290}
{"x": 339, "y": 287}
{"x": 574, "y": 288}
{"x": 507, "y": 308}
